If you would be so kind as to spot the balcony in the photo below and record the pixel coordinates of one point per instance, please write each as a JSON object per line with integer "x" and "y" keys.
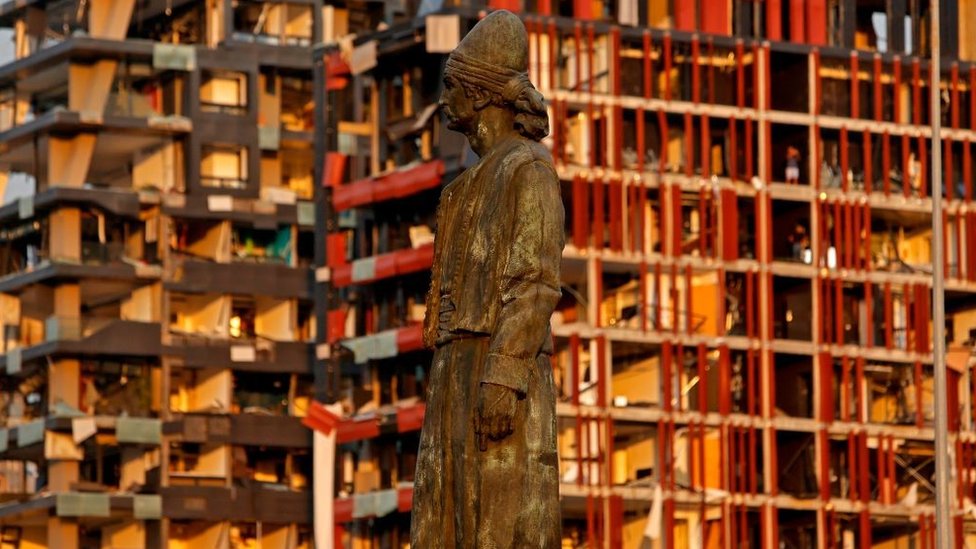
{"x": 269, "y": 279}
{"x": 218, "y": 504}
{"x": 131, "y": 153}
{"x": 243, "y": 354}
{"x": 89, "y": 337}
{"x": 242, "y": 429}
{"x": 256, "y": 212}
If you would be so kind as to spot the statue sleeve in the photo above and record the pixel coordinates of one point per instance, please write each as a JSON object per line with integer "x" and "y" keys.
{"x": 529, "y": 279}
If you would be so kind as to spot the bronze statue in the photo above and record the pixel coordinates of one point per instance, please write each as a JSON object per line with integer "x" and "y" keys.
{"x": 487, "y": 473}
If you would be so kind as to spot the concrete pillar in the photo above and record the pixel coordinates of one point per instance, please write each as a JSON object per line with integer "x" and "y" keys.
{"x": 69, "y": 159}
{"x": 109, "y": 19}
{"x": 62, "y": 533}
{"x": 65, "y": 237}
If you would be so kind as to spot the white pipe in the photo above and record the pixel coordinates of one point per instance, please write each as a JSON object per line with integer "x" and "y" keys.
{"x": 943, "y": 510}
{"x": 323, "y": 488}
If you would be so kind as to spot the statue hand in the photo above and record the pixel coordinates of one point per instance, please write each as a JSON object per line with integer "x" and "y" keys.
{"x": 496, "y": 413}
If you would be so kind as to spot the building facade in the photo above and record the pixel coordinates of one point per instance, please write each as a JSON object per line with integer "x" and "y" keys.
{"x": 743, "y": 348}
{"x": 157, "y": 241}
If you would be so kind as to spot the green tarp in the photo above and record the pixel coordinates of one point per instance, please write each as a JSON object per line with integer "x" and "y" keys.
{"x": 175, "y": 57}
{"x": 147, "y": 507}
{"x": 136, "y": 430}
{"x": 306, "y": 213}
{"x": 30, "y": 433}
{"x": 74, "y": 504}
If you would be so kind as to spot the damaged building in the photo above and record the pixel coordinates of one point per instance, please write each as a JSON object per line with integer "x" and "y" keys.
{"x": 743, "y": 349}
{"x": 218, "y": 220}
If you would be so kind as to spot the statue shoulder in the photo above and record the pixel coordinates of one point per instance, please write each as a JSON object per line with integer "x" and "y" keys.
{"x": 527, "y": 151}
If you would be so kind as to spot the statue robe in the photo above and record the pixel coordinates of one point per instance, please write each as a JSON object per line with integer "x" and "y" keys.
{"x": 494, "y": 285}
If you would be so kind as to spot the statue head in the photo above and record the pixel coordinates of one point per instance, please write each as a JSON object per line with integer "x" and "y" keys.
{"x": 486, "y": 80}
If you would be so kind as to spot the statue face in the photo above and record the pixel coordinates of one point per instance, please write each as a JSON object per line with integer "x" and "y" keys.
{"x": 457, "y": 106}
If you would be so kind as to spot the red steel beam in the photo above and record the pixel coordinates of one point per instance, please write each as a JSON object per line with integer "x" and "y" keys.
{"x": 797, "y": 28}
{"x": 667, "y": 353}
{"x": 667, "y": 66}
{"x": 752, "y": 391}
{"x": 581, "y": 221}
{"x": 615, "y": 187}
{"x": 702, "y": 389}
{"x": 878, "y": 101}
{"x": 751, "y": 464}
{"x": 954, "y": 86}
{"x": 896, "y": 95}
{"x": 906, "y": 167}
{"x": 816, "y": 19}
{"x": 662, "y": 119}
{"x": 824, "y": 465}
{"x": 740, "y": 77}
{"x": 818, "y": 85}
{"x": 886, "y": 162}
{"x": 916, "y": 92}
{"x": 774, "y": 20}
{"x": 967, "y": 166}
{"x": 706, "y": 142}
{"x": 733, "y": 150}
{"x": 869, "y": 317}
{"x": 771, "y": 374}
{"x": 972, "y": 96}
{"x": 859, "y": 388}
{"x": 574, "y": 365}
{"x": 845, "y": 409}
{"x": 844, "y": 160}
{"x": 598, "y": 210}
{"x": 695, "y": 68}
{"x": 688, "y": 301}
{"x": 947, "y": 170}
{"x": 866, "y": 239}
{"x": 852, "y": 474}
{"x": 648, "y": 65}
{"x": 849, "y": 234}
{"x": 868, "y": 162}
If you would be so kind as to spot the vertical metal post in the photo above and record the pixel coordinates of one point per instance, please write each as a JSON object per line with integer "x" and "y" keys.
{"x": 943, "y": 512}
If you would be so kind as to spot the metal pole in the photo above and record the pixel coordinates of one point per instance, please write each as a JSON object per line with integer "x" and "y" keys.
{"x": 943, "y": 512}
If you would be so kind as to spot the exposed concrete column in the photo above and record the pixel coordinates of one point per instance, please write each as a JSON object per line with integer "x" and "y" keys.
{"x": 22, "y": 45}
{"x": 109, "y": 19}
{"x": 67, "y": 300}
{"x": 61, "y": 474}
{"x": 64, "y": 377}
{"x": 64, "y": 387}
{"x": 68, "y": 160}
{"x": 133, "y": 467}
{"x": 4, "y": 179}
{"x": 89, "y": 86}
{"x": 62, "y": 533}
{"x": 217, "y": 20}
{"x": 64, "y": 242}
{"x": 29, "y": 32}
{"x": 22, "y": 107}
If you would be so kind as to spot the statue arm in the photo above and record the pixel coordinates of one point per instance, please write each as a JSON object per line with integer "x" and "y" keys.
{"x": 529, "y": 278}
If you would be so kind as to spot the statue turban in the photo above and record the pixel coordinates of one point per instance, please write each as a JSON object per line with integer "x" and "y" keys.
{"x": 494, "y": 56}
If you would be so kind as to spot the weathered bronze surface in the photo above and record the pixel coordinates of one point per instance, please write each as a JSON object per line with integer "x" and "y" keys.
{"x": 487, "y": 473}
